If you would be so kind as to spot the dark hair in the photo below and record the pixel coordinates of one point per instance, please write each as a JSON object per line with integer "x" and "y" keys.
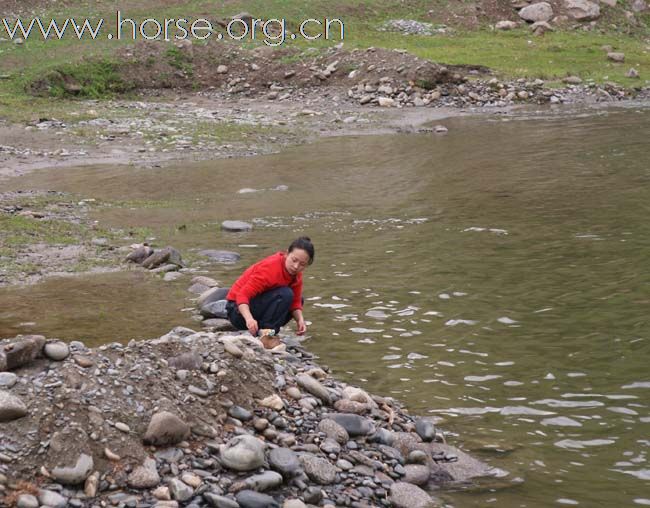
{"x": 304, "y": 243}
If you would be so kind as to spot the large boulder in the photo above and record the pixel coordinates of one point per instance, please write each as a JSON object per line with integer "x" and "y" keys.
{"x": 407, "y": 495}
{"x": 540, "y": 11}
{"x": 168, "y": 255}
{"x": 582, "y": 10}
{"x": 242, "y": 453}
{"x": 21, "y": 352}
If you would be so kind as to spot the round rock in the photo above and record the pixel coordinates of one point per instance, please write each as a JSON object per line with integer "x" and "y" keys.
{"x": 284, "y": 461}
{"x": 417, "y": 474}
{"x": 57, "y": 350}
{"x": 236, "y": 226}
{"x": 7, "y": 379}
{"x": 318, "y": 470}
{"x": 242, "y": 453}
{"x": 425, "y": 429}
{"x": 145, "y": 476}
{"x": 334, "y": 431}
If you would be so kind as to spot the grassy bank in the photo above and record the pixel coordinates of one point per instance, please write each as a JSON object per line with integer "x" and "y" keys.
{"x": 93, "y": 65}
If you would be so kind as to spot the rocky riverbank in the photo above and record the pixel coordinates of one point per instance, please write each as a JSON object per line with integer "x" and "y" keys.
{"x": 207, "y": 419}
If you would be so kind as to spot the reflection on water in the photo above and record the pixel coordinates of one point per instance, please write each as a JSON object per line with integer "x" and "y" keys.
{"x": 496, "y": 277}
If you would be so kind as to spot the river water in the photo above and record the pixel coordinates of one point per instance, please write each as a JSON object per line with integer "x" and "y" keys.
{"x": 496, "y": 277}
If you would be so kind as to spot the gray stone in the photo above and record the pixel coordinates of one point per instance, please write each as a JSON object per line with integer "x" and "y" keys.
{"x": 172, "y": 276}
{"x": 505, "y": 25}
{"x": 218, "y": 325}
{"x": 76, "y": 474}
{"x": 417, "y": 457}
{"x": 214, "y": 310}
{"x": 212, "y": 295}
{"x": 167, "y": 268}
{"x": 330, "y": 446}
{"x": 236, "y": 226}
{"x": 382, "y": 436}
{"x": 616, "y": 56}
{"x": 417, "y": 474}
{"x": 242, "y": 453}
{"x": 221, "y": 256}
{"x": 52, "y": 499}
{"x": 27, "y": 501}
{"x": 166, "y": 428}
{"x": 540, "y": 11}
{"x": 314, "y": 387}
{"x": 582, "y": 10}
{"x": 179, "y": 490}
{"x": 318, "y": 470}
{"x": 56, "y": 350}
{"x": 240, "y": 413}
{"x": 252, "y": 499}
{"x": 264, "y": 481}
{"x": 7, "y": 380}
{"x": 11, "y": 407}
{"x": 206, "y": 281}
{"x": 406, "y": 495}
{"x": 285, "y": 461}
{"x": 425, "y": 429}
{"x": 355, "y": 425}
{"x": 198, "y": 288}
{"x": 140, "y": 254}
{"x": 171, "y": 455}
{"x": 145, "y": 476}
{"x": 220, "y": 501}
{"x": 334, "y": 431}
{"x": 21, "y": 352}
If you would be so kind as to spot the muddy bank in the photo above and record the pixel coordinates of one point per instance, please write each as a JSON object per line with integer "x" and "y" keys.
{"x": 207, "y": 419}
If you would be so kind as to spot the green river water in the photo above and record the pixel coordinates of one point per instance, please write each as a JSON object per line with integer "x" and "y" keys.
{"x": 497, "y": 277}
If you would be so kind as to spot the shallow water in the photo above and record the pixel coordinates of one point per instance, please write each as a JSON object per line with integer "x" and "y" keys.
{"x": 496, "y": 277}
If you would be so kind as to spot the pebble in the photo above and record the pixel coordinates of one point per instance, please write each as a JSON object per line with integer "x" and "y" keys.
{"x": 122, "y": 427}
{"x": 27, "y": 501}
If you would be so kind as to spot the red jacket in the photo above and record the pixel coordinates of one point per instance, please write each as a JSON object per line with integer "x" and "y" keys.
{"x": 269, "y": 273}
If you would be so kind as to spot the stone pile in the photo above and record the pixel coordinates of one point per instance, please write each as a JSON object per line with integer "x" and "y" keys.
{"x": 203, "y": 419}
{"x": 386, "y": 92}
{"x": 164, "y": 260}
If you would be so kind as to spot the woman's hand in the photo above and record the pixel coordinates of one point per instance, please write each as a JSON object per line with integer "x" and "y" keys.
{"x": 252, "y": 326}
{"x": 302, "y": 327}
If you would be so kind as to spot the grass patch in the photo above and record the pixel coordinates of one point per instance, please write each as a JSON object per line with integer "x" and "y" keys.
{"x": 179, "y": 60}
{"x": 18, "y": 231}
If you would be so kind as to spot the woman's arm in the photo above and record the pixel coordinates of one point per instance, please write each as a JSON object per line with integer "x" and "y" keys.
{"x": 300, "y": 321}
{"x": 251, "y": 324}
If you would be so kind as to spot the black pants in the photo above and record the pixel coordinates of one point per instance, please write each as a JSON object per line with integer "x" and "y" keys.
{"x": 269, "y": 309}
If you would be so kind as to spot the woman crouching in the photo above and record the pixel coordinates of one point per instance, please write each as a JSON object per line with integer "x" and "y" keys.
{"x": 269, "y": 293}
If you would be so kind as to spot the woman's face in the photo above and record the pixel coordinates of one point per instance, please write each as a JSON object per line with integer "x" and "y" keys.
{"x": 296, "y": 261}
